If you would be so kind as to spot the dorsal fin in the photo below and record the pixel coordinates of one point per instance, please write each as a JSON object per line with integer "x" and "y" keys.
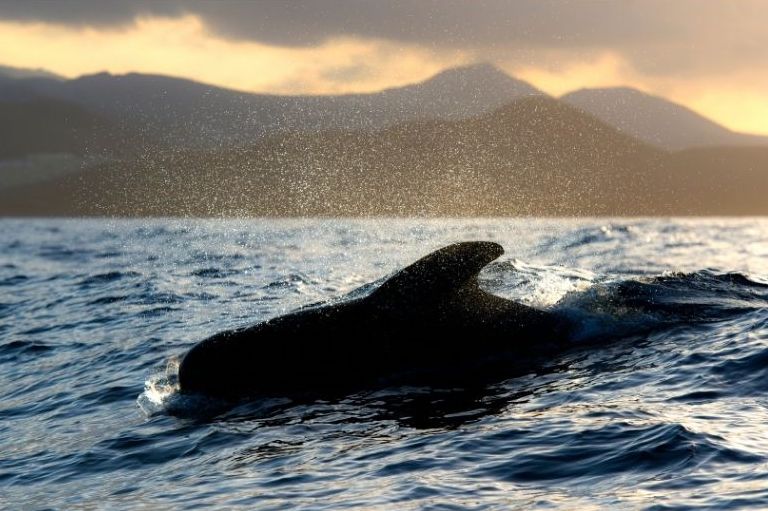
{"x": 444, "y": 271}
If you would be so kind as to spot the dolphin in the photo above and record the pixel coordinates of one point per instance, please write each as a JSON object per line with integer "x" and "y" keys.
{"x": 429, "y": 323}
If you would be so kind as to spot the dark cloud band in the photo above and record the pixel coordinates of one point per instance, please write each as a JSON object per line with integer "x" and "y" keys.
{"x": 657, "y": 36}
{"x": 444, "y": 22}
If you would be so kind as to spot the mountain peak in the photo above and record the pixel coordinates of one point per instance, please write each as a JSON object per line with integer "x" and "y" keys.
{"x": 654, "y": 119}
{"x": 476, "y": 70}
{"x": 479, "y": 76}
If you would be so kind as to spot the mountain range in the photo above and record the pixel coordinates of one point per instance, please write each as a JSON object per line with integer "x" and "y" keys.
{"x": 20, "y": 72}
{"x": 656, "y": 120}
{"x": 173, "y": 112}
{"x": 469, "y": 141}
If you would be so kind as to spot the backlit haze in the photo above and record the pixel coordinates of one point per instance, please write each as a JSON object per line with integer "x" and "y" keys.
{"x": 708, "y": 55}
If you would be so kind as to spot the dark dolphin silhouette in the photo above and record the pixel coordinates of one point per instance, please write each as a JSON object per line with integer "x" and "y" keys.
{"x": 429, "y": 323}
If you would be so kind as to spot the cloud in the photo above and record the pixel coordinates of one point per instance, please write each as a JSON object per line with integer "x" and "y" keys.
{"x": 86, "y": 12}
{"x": 442, "y": 22}
{"x": 654, "y": 36}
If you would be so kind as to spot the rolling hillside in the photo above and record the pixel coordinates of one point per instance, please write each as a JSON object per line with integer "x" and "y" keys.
{"x": 534, "y": 156}
{"x": 45, "y": 125}
{"x": 172, "y": 112}
{"x": 656, "y": 120}
{"x": 452, "y": 145}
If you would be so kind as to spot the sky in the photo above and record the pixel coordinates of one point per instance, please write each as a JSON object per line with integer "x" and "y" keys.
{"x": 710, "y": 55}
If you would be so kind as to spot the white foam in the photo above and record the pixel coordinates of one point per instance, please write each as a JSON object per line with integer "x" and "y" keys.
{"x": 159, "y": 389}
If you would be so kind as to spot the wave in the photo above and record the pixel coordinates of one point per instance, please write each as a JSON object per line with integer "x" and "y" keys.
{"x": 108, "y": 277}
{"x": 615, "y": 448}
{"x": 625, "y": 307}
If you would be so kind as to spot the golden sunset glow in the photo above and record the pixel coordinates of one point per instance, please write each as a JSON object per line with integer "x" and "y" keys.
{"x": 182, "y": 47}
{"x": 739, "y": 110}
{"x": 740, "y": 104}
{"x": 604, "y": 69}
{"x": 185, "y": 47}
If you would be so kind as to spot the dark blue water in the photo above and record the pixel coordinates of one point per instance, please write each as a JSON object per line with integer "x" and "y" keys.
{"x": 667, "y": 411}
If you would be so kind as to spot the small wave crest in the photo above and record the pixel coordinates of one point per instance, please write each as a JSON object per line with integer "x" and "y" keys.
{"x": 160, "y": 389}
{"x": 108, "y": 277}
{"x": 535, "y": 285}
{"x": 626, "y": 307}
{"x": 162, "y": 396}
{"x": 613, "y": 449}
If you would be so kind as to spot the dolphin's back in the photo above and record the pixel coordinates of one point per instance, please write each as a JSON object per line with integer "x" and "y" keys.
{"x": 431, "y": 313}
{"x": 444, "y": 271}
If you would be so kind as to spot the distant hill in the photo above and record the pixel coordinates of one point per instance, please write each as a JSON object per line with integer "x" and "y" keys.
{"x": 161, "y": 111}
{"x": 534, "y": 156}
{"x": 45, "y": 138}
{"x": 23, "y": 72}
{"x": 457, "y": 93}
{"x": 656, "y": 120}
{"x": 177, "y": 112}
{"x": 717, "y": 181}
{"x": 41, "y": 125}
{"x": 449, "y": 146}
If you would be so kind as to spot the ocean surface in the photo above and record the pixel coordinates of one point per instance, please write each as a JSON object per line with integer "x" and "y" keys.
{"x": 662, "y": 403}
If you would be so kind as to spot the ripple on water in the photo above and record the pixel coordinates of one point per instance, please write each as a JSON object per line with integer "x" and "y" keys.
{"x": 610, "y": 450}
{"x": 17, "y": 348}
{"x": 13, "y": 281}
{"x": 106, "y": 278}
{"x": 214, "y": 273}
{"x": 106, "y": 300}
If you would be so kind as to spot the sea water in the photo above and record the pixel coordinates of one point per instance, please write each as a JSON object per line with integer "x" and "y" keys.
{"x": 667, "y": 411}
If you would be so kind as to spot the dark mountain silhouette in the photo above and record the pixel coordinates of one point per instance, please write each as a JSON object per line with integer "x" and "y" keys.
{"x": 161, "y": 111}
{"x": 178, "y": 147}
{"x": 44, "y": 125}
{"x": 176, "y": 112}
{"x": 23, "y": 72}
{"x": 656, "y": 120}
{"x": 534, "y": 156}
{"x": 456, "y": 93}
{"x": 717, "y": 181}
